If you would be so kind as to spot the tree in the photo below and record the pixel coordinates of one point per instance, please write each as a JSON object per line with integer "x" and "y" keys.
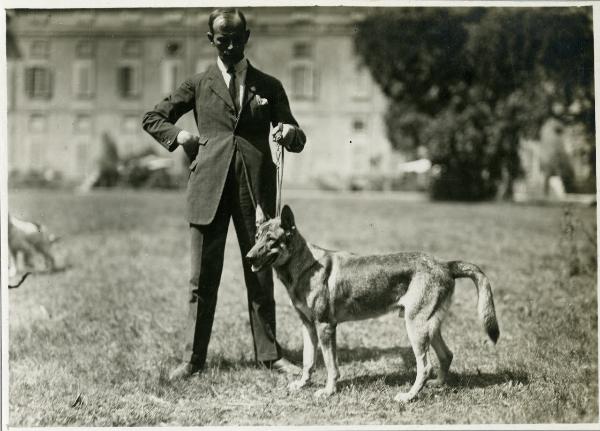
{"x": 469, "y": 83}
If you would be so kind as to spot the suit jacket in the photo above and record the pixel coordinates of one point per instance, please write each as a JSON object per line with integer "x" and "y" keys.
{"x": 221, "y": 131}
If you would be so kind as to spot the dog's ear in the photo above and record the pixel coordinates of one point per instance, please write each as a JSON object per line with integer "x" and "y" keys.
{"x": 260, "y": 216}
{"x": 287, "y": 218}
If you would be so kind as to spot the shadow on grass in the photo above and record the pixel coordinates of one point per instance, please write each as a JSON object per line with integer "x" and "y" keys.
{"x": 345, "y": 354}
{"x": 465, "y": 380}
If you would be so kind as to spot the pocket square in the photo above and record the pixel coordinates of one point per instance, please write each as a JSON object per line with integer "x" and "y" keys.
{"x": 261, "y": 101}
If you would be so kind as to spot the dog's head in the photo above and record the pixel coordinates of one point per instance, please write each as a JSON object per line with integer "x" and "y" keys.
{"x": 273, "y": 238}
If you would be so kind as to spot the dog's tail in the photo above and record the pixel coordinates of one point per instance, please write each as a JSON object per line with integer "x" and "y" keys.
{"x": 485, "y": 299}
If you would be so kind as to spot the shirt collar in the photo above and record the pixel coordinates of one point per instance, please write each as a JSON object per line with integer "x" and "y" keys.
{"x": 241, "y": 66}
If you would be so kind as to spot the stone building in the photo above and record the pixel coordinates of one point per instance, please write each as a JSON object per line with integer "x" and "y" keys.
{"x": 85, "y": 72}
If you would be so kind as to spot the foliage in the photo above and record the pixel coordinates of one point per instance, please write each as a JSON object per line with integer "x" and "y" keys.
{"x": 469, "y": 83}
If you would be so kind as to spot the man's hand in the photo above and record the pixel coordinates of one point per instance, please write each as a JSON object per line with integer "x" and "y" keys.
{"x": 289, "y": 136}
{"x": 185, "y": 138}
{"x": 189, "y": 143}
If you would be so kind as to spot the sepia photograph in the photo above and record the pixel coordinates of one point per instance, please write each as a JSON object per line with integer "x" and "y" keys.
{"x": 378, "y": 214}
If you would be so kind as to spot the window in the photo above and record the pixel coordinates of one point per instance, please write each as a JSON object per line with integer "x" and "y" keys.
{"x": 303, "y": 81}
{"x": 129, "y": 80}
{"x": 302, "y": 50}
{"x": 173, "y": 49}
{"x": 359, "y": 125}
{"x": 171, "y": 71}
{"x": 38, "y": 82}
{"x": 84, "y": 79}
{"x": 40, "y": 49}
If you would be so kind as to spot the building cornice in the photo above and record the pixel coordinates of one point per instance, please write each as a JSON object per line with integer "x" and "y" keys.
{"x": 180, "y": 22}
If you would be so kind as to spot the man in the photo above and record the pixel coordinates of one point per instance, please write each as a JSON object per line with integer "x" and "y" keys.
{"x": 231, "y": 172}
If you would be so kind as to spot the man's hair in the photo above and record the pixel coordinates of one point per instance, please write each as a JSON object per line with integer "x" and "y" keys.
{"x": 227, "y": 13}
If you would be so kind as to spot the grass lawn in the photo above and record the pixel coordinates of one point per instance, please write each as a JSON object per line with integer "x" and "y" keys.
{"x": 108, "y": 328}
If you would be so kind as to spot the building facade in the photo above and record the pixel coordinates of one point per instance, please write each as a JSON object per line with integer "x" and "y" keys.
{"x": 83, "y": 73}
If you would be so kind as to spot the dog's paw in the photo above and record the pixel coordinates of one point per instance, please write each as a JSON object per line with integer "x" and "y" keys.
{"x": 324, "y": 393}
{"x": 436, "y": 382}
{"x": 296, "y": 385}
{"x": 404, "y": 397}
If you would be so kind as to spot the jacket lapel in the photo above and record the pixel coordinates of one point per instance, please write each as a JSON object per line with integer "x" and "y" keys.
{"x": 217, "y": 84}
{"x": 250, "y": 86}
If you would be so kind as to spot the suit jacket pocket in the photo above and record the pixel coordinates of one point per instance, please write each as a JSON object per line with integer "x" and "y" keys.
{"x": 202, "y": 141}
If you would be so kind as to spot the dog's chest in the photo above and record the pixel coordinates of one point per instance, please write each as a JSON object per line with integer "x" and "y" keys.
{"x": 305, "y": 293}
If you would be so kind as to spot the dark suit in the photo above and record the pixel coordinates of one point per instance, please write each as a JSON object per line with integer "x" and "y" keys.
{"x": 231, "y": 170}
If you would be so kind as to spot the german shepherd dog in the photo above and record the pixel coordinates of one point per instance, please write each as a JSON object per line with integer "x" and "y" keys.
{"x": 328, "y": 287}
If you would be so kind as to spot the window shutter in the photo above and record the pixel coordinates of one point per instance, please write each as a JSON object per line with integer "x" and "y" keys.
{"x": 49, "y": 83}
{"x": 122, "y": 78}
{"x": 29, "y": 81}
{"x": 134, "y": 81}
{"x": 91, "y": 79}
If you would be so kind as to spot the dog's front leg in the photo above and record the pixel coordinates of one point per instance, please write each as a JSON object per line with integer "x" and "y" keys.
{"x": 309, "y": 355}
{"x": 326, "y": 333}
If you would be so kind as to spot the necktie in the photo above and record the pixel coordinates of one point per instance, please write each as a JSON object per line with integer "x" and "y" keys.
{"x": 233, "y": 87}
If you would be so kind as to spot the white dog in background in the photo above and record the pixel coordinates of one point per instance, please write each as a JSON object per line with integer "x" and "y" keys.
{"x": 26, "y": 240}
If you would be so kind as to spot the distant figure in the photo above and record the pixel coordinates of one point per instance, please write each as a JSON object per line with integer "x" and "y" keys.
{"x": 106, "y": 173}
{"x": 231, "y": 173}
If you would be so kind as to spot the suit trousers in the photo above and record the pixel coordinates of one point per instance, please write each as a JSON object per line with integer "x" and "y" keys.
{"x": 207, "y": 253}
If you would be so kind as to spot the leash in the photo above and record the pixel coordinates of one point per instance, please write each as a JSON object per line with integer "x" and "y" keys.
{"x": 277, "y": 135}
{"x": 279, "y": 164}
{"x": 14, "y": 286}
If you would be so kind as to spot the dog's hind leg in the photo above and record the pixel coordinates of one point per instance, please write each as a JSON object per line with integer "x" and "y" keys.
{"x": 444, "y": 355}
{"x": 418, "y": 335}
{"x": 309, "y": 355}
{"x": 326, "y": 333}
{"x": 419, "y": 303}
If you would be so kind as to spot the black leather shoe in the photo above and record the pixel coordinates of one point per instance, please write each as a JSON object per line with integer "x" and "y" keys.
{"x": 184, "y": 371}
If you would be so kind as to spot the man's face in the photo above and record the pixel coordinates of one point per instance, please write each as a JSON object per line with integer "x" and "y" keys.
{"x": 229, "y": 37}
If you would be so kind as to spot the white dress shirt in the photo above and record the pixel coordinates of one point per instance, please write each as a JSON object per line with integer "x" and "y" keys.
{"x": 240, "y": 75}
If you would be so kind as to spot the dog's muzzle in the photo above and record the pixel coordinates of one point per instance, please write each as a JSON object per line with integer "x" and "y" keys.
{"x": 258, "y": 262}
